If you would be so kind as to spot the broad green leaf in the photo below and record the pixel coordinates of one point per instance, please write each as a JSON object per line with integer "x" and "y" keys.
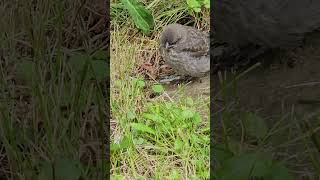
{"x": 140, "y": 15}
{"x": 67, "y": 169}
{"x": 195, "y": 139}
{"x": 187, "y": 114}
{"x": 138, "y": 141}
{"x": 142, "y": 128}
{"x": 153, "y": 117}
{"x": 100, "y": 68}
{"x": 46, "y": 172}
{"x": 139, "y": 82}
{"x": 194, "y": 5}
{"x": 174, "y": 174}
{"x": 262, "y": 165}
{"x": 117, "y": 177}
{"x": 158, "y": 88}
{"x": 131, "y": 115}
{"x": 255, "y": 126}
{"x": 114, "y": 147}
{"x": 77, "y": 62}
{"x": 123, "y": 144}
{"x": 247, "y": 166}
{"x": 189, "y": 101}
{"x": 196, "y": 118}
{"x": 237, "y": 166}
{"x": 278, "y": 172}
{"x": 206, "y": 4}
{"x": 221, "y": 154}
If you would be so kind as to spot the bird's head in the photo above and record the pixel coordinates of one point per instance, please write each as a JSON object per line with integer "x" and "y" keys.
{"x": 170, "y": 36}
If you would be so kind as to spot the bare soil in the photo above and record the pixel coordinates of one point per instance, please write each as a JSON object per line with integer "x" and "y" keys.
{"x": 278, "y": 86}
{"x": 198, "y": 87}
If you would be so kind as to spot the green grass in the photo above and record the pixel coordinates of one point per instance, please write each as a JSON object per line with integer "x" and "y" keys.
{"x": 154, "y": 135}
{"x": 52, "y": 108}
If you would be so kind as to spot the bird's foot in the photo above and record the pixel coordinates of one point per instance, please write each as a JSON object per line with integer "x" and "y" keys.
{"x": 169, "y": 78}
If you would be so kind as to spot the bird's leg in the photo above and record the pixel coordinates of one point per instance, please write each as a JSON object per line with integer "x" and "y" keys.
{"x": 175, "y": 78}
{"x": 169, "y": 78}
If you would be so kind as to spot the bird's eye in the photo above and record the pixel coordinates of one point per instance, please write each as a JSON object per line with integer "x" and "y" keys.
{"x": 167, "y": 45}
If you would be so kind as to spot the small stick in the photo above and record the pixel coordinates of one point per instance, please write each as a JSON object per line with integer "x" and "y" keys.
{"x": 304, "y": 84}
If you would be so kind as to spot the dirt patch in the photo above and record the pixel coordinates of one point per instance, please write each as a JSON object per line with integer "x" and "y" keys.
{"x": 276, "y": 88}
{"x": 196, "y": 88}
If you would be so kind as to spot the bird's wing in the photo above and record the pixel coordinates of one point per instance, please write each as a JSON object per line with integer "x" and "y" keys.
{"x": 196, "y": 43}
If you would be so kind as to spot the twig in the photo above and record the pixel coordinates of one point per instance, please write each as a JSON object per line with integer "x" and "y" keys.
{"x": 304, "y": 84}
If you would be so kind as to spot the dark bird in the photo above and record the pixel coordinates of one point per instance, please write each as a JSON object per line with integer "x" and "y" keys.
{"x": 247, "y": 28}
{"x": 186, "y": 50}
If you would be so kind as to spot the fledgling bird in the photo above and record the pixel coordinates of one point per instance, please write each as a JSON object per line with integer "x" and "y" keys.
{"x": 186, "y": 50}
